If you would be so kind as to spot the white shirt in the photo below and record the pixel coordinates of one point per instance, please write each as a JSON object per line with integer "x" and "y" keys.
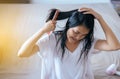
{"x": 53, "y": 67}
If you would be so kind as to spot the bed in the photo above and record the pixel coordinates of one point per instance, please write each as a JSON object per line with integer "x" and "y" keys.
{"x": 25, "y": 19}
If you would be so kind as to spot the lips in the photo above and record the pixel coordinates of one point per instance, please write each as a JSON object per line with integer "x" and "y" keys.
{"x": 73, "y": 39}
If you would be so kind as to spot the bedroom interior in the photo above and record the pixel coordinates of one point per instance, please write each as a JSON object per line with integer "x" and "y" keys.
{"x": 21, "y": 19}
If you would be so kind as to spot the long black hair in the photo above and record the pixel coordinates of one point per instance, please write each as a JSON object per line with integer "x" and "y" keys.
{"x": 75, "y": 18}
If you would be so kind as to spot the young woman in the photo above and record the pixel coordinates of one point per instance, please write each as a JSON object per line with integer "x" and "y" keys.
{"x": 66, "y": 54}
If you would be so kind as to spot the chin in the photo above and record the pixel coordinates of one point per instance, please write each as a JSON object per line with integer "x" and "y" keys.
{"x": 72, "y": 41}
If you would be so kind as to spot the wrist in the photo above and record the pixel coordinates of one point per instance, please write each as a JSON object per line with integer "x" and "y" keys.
{"x": 42, "y": 30}
{"x": 99, "y": 17}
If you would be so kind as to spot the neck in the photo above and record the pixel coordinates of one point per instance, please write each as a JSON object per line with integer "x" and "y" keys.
{"x": 75, "y": 43}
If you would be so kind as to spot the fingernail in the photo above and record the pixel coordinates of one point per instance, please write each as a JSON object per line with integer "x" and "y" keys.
{"x": 80, "y": 10}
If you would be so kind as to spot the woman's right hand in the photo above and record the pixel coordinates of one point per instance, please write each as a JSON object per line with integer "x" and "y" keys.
{"x": 49, "y": 26}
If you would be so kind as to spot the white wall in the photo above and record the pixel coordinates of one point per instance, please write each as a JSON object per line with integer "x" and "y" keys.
{"x": 69, "y": 1}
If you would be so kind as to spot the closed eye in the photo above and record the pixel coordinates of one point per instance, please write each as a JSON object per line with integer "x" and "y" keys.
{"x": 76, "y": 32}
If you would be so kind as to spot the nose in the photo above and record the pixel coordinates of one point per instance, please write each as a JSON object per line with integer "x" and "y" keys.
{"x": 78, "y": 37}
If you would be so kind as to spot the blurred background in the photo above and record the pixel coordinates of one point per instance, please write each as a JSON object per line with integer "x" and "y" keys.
{"x": 19, "y": 19}
{"x": 53, "y": 1}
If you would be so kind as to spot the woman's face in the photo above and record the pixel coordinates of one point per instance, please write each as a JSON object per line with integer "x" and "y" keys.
{"x": 75, "y": 34}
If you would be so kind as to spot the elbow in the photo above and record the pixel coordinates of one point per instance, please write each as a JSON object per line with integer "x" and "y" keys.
{"x": 21, "y": 55}
{"x": 116, "y": 47}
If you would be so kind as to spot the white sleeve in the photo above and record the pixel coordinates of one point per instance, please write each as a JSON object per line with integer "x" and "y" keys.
{"x": 45, "y": 43}
{"x": 93, "y": 50}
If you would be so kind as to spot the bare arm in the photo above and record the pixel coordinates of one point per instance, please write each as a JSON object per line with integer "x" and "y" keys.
{"x": 111, "y": 42}
{"x": 30, "y": 47}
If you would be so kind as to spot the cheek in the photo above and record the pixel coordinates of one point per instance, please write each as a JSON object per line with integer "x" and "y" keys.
{"x": 69, "y": 33}
{"x": 81, "y": 37}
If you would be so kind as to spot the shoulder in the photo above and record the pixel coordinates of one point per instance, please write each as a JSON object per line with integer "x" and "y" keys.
{"x": 94, "y": 42}
{"x": 93, "y": 50}
{"x": 57, "y": 34}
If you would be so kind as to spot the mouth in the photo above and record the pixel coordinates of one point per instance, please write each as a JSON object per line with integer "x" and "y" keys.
{"x": 73, "y": 39}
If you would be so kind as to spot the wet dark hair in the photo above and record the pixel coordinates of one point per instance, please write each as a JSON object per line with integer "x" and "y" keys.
{"x": 75, "y": 18}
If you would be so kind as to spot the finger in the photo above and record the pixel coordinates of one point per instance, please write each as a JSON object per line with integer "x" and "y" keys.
{"x": 87, "y": 13}
{"x": 85, "y": 9}
{"x": 55, "y": 16}
{"x": 54, "y": 22}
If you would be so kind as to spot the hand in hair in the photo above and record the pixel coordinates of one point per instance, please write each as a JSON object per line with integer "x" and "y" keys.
{"x": 90, "y": 11}
{"x": 50, "y": 25}
{"x": 111, "y": 42}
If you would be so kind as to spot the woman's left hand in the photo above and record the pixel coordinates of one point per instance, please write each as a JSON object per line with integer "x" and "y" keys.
{"x": 90, "y": 11}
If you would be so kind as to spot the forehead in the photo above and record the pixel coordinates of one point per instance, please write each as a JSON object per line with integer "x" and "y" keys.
{"x": 81, "y": 29}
